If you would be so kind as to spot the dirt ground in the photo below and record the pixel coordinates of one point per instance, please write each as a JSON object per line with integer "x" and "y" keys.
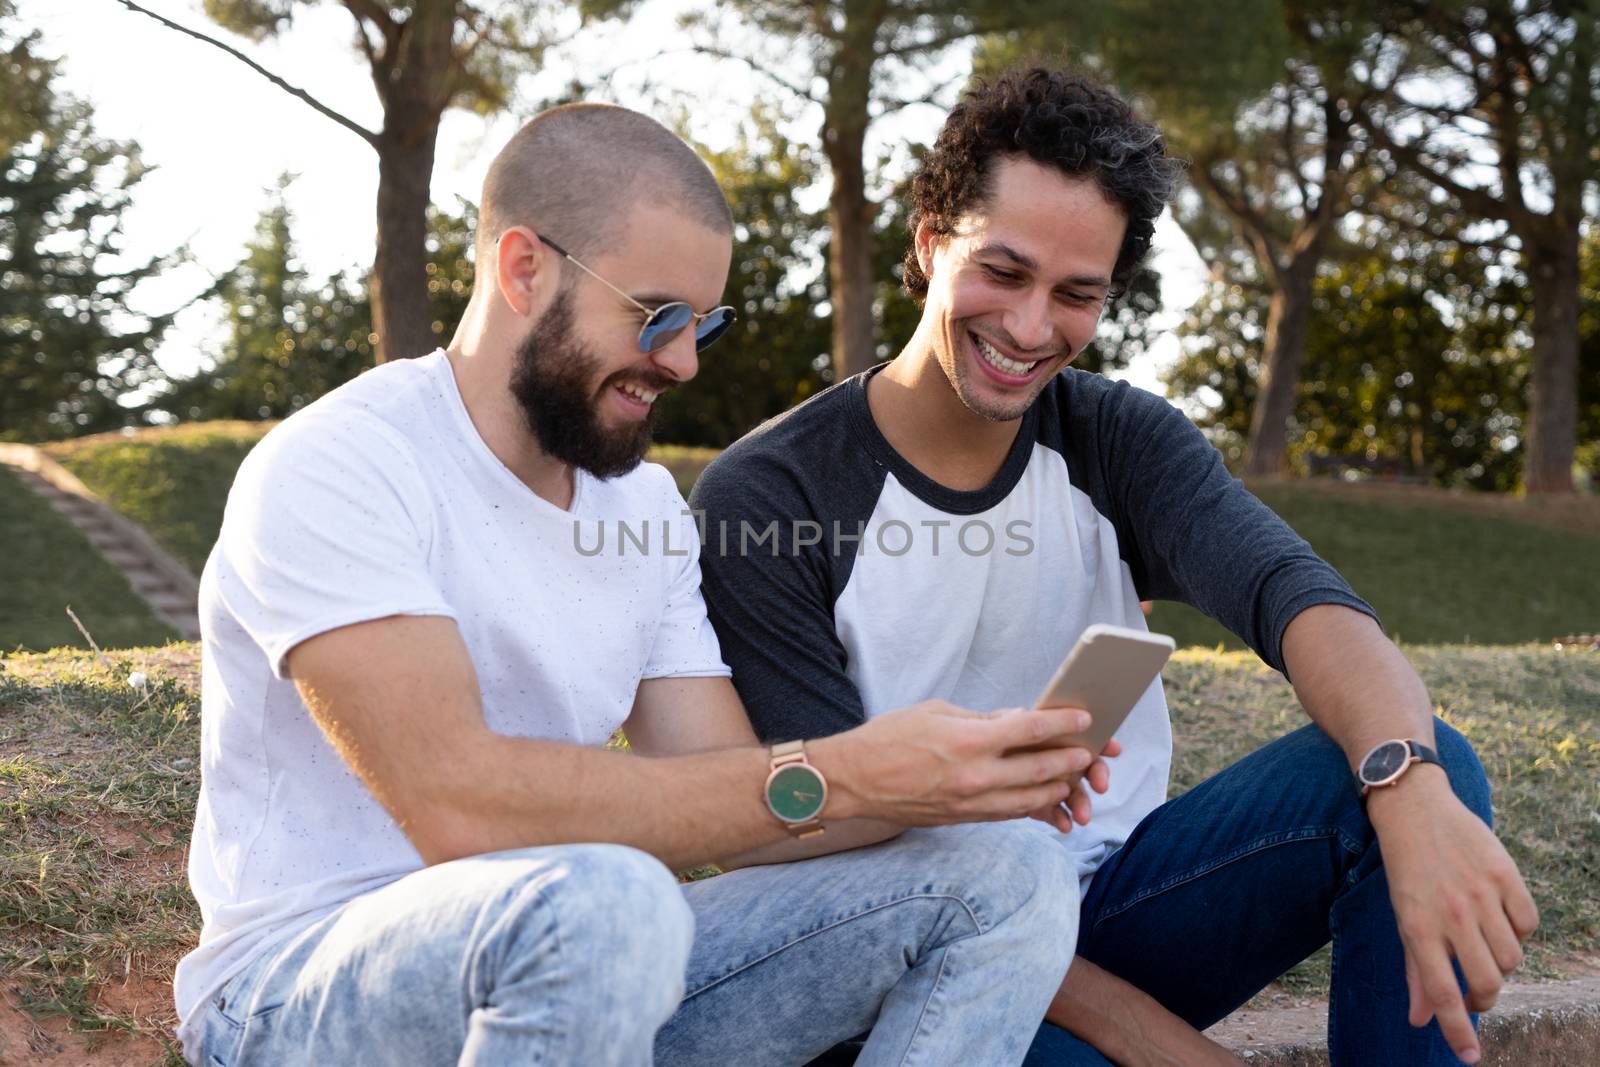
{"x": 49, "y": 1042}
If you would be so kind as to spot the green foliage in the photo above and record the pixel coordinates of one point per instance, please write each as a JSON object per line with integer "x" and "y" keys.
{"x": 450, "y": 265}
{"x": 775, "y": 353}
{"x": 49, "y": 567}
{"x": 71, "y": 344}
{"x": 489, "y": 47}
{"x": 1132, "y": 44}
{"x": 25, "y": 83}
{"x": 1439, "y": 568}
{"x": 1416, "y": 364}
{"x": 290, "y": 340}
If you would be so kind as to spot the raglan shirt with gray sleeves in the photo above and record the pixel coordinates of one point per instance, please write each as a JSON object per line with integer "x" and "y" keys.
{"x": 844, "y": 583}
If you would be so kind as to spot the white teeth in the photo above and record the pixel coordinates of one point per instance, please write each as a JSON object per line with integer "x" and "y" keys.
{"x": 1010, "y": 366}
{"x": 644, "y": 396}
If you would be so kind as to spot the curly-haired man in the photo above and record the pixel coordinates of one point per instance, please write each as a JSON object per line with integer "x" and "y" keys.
{"x": 950, "y": 522}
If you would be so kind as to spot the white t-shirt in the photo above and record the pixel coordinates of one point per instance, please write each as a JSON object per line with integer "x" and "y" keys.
{"x": 381, "y": 499}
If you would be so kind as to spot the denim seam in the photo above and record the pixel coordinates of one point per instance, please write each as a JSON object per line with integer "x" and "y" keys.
{"x": 808, "y": 935}
{"x": 916, "y": 1031}
{"x": 542, "y": 899}
{"x": 1271, "y": 841}
{"x": 1333, "y": 980}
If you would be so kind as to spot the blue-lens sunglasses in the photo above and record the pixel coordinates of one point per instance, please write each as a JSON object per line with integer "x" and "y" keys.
{"x": 664, "y": 323}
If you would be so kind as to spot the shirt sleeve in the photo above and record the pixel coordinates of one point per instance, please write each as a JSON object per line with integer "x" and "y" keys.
{"x": 328, "y": 524}
{"x": 771, "y": 601}
{"x": 686, "y": 645}
{"x": 1202, "y": 538}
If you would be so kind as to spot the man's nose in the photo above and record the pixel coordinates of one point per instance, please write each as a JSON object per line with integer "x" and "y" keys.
{"x": 1028, "y": 319}
{"x": 678, "y": 359}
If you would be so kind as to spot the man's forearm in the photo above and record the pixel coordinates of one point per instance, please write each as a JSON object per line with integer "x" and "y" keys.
{"x": 1353, "y": 681}
{"x": 1126, "y": 1025}
{"x": 685, "y": 810}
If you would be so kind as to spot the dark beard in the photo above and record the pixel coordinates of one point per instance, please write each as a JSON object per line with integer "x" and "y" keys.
{"x": 551, "y": 380}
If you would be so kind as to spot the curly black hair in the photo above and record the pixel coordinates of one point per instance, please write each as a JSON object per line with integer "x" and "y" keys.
{"x": 1059, "y": 119}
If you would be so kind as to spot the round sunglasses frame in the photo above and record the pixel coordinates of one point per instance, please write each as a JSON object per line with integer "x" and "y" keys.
{"x": 663, "y": 323}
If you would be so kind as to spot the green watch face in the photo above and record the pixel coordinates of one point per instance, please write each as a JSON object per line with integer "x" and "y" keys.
{"x": 795, "y": 793}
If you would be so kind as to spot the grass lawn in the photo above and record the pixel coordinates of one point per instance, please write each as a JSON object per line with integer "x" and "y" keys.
{"x": 50, "y": 566}
{"x": 1440, "y": 567}
{"x": 175, "y": 481}
{"x": 98, "y": 782}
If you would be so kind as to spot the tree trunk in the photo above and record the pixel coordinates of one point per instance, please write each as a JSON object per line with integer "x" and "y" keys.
{"x": 1552, "y": 430}
{"x": 1288, "y": 320}
{"x": 844, "y": 132}
{"x": 400, "y": 311}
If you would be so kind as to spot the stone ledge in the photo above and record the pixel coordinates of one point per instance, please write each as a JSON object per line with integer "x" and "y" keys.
{"x": 1534, "y": 1024}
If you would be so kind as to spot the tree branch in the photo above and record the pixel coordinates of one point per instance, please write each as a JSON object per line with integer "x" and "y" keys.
{"x": 1473, "y": 199}
{"x": 718, "y": 53}
{"x": 942, "y": 41}
{"x": 1256, "y": 230}
{"x": 317, "y": 105}
{"x": 373, "y": 12}
{"x": 930, "y": 98}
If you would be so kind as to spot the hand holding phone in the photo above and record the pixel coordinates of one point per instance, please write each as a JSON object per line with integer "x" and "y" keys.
{"x": 1105, "y": 674}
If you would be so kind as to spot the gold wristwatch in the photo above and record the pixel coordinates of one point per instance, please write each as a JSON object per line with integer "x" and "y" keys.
{"x": 795, "y": 790}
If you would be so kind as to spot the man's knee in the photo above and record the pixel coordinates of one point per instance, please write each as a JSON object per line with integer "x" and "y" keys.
{"x": 618, "y": 912}
{"x": 626, "y": 899}
{"x": 1011, "y": 873}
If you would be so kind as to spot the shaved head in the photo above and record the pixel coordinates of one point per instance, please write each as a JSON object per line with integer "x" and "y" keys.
{"x": 574, "y": 173}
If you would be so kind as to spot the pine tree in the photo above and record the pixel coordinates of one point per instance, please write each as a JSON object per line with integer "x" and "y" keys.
{"x": 72, "y": 350}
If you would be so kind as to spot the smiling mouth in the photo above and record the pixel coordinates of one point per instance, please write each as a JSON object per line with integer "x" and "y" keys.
{"x": 637, "y": 393}
{"x": 1005, "y": 364}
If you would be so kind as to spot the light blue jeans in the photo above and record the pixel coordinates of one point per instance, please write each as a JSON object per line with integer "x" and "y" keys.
{"x": 947, "y": 944}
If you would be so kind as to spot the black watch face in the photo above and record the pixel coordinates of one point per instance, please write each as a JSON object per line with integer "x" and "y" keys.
{"x": 1384, "y": 762}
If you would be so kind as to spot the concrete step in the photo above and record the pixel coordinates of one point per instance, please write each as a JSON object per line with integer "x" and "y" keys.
{"x": 169, "y": 602}
{"x": 121, "y": 556}
{"x": 1534, "y": 1024}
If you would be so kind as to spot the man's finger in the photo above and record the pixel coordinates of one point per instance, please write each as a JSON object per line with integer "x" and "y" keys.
{"x": 1054, "y": 815}
{"x": 1417, "y": 1014}
{"x": 1032, "y": 727}
{"x": 1098, "y": 776}
{"x": 1113, "y": 748}
{"x": 1442, "y": 994}
{"x": 1503, "y": 943}
{"x": 1030, "y": 768}
{"x": 1079, "y": 805}
{"x": 1520, "y": 908}
{"x": 1015, "y": 803}
{"x": 1479, "y": 968}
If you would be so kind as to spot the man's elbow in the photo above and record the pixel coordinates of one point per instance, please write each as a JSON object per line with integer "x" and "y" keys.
{"x": 442, "y": 836}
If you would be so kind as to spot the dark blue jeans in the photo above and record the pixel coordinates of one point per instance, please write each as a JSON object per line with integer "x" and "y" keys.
{"x": 1221, "y": 890}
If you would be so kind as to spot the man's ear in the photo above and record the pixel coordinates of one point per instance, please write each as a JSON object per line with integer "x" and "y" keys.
{"x": 926, "y": 243}
{"x": 524, "y": 268}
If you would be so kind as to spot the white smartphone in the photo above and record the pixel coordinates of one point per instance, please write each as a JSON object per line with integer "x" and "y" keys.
{"x": 1106, "y": 673}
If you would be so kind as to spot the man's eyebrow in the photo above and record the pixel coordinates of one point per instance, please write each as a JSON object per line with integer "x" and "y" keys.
{"x": 656, "y": 299}
{"x": 1028, "y": 263}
